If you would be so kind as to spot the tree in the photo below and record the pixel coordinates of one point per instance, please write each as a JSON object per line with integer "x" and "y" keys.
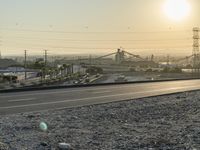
{"x": 132, "y": 69}
{"x": 38, "y": 65}
{"x": 64, "y": 68}
{"x": 94, "y": 70}
{"x": 189, "y": 66}
{"x": 172, "y": 70}
{"x": 149, "y": 70}
{"x": 166, "y": 70}
{"x": 61, "y": 70}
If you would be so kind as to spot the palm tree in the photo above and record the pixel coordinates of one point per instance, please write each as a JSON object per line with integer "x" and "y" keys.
{"x": 65, "y": 66}
{"x": 61, "y": 70}
{"x": 57, "y": 72}
{"x": 51, "y": 71}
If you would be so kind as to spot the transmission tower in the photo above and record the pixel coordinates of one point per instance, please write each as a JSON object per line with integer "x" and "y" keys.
{"x": 196, "y": 55}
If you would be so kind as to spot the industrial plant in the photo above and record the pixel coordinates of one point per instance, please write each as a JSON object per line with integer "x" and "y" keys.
{"x": 118, "y": 66}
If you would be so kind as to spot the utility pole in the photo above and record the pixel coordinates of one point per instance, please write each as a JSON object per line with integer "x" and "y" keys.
{"x": 45, "y": 62}
{"x": 168, "y": 60}
{"x": 45, "y": 57}
{"x": 25, "y": 64}
{"x": 90, "y": 60}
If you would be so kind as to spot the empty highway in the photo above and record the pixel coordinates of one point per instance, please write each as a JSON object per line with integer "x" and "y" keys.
{"x": 31, "y": 101}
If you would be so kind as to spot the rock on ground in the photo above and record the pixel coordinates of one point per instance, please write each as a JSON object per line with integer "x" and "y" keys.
{"x": 3, "y": 146}
{"x": 162, "y": 122}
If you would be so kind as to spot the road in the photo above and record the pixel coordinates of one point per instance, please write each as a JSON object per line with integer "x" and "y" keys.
{"x": 31, "y": 101}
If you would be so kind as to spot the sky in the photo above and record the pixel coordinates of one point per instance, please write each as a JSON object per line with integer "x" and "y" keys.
{"x": 94, "y": 27}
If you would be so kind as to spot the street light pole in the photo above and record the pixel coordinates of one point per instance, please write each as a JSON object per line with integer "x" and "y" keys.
{"x": 25, "y": 63}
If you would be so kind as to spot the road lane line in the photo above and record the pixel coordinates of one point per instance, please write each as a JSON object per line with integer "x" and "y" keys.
{"x": 101, "y": 92}
{"x": 20, "y": 100}
{"x": 98, "y": 97}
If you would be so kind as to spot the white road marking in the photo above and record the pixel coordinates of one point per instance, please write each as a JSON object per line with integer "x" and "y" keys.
{"x": 98, "y": 97}
{"x": 101, "y": 92}
{"x": 20, "y": 100}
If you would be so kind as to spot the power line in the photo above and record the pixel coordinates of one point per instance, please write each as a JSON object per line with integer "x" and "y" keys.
{"x": 33, "y": 46}
{"x": 111, "y": 48}
{"x": 83, "y": 45}
{"x": 94, "y": 32}
{"x": 100, "y": 40}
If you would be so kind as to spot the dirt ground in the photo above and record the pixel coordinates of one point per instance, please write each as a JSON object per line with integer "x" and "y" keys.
{"x": 162, "y": 122}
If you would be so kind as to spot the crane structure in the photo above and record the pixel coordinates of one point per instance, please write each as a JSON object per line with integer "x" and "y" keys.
{"x": 120, "y": 56}
{"x": 188, "y": 60}
{"x": 110, "y": 54}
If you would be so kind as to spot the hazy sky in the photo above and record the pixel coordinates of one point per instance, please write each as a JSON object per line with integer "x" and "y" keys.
{"x": 94, "y": 26}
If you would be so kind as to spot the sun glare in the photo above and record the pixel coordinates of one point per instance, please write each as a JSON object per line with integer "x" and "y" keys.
{"x": 177, "y": 9}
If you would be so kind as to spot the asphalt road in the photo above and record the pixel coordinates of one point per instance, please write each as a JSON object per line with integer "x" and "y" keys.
{"x": 31, "y": 101}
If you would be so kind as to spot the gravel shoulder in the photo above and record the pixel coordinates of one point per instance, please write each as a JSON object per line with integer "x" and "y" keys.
{"x": 162, "y": 122}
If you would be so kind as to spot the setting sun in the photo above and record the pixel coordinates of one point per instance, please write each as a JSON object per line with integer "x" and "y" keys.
{"x": 177, "y": 9}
